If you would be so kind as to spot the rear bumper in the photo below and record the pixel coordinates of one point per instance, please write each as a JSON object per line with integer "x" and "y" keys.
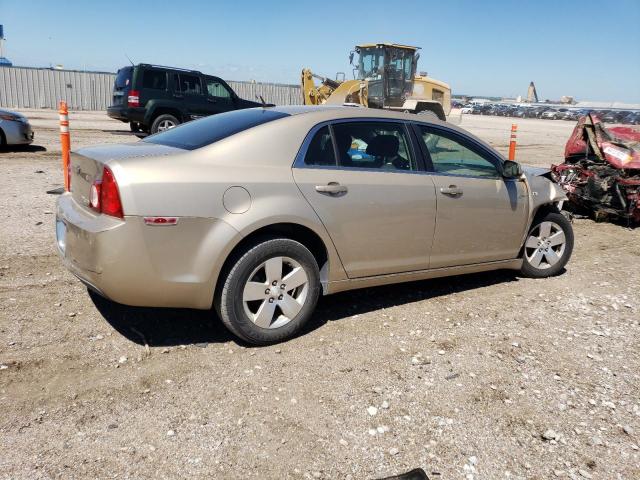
{"x": 17, "y": 133}
{"x": 141, "y": 265}
{"x": 126, "y": 114}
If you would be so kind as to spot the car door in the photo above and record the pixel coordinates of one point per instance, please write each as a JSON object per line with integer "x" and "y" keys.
{"x": 188, "y": 88}
{"x": 481, "y": 215}
{"x": 364, "y": 181}
{"x": 219, "y": 97}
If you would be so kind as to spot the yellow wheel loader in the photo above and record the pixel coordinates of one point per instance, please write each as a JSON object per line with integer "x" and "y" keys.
{"x": 384, "y": 77}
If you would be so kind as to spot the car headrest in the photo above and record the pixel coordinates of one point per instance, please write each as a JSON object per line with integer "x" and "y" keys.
{"x": 383, "y": 146}
{"x": 343, "y": 141}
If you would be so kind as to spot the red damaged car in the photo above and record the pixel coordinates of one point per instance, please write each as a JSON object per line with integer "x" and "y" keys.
{"x": 601, "y": 171}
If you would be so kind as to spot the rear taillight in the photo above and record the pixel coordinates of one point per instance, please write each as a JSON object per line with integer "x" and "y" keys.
{"x": 133, "y": 100}
{"x": 105, "y": 197}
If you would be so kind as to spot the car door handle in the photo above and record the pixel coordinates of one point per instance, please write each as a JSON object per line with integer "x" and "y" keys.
{"x": 451, "y": 190}
{"x": 332, "y": 188}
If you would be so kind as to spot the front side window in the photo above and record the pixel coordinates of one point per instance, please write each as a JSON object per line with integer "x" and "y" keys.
{"x": 189, "y": 84}
{"x": 217, "y": 89}
{"x": 320, "y": 151}
{"x": 451, "y": 157}
{"x": 154, "y": 79}
{"x": 377, "y": 145}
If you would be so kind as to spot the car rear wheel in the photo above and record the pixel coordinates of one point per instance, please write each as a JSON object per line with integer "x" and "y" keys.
{"x": 548, "y": 246}
{"x": 270, "y": 291}
{"x": 164, "y": 122}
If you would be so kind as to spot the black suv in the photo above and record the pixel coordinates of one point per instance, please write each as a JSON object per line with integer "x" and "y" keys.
{"x": 152, "y": 98}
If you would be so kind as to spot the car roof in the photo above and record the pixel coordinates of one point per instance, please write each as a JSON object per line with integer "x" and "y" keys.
{"x": 331, "y": 112}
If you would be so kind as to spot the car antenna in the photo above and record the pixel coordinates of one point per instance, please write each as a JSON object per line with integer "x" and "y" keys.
{"x": 259, "y": 97}
{"x": 130, "y": 61}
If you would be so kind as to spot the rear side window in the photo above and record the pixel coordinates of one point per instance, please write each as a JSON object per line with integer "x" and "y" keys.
{"x": 123, "y": 78}
{"x": 188, "y": 84}
{"x": 373, "y": 145}
{"x": 154, "y": 79}
{"x": 320, "y": 151}
{"x": 208, "y": 130}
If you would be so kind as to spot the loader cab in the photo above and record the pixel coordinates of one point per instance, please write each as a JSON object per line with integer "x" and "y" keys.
{"x": 389, "y": 71}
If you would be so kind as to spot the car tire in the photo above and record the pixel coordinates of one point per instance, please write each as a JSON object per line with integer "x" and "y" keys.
{"x": 548, "y": 246}
{"x": 3, "y": 140}
{"x": 256, "y": 310}
{"x": 164, "y": 122}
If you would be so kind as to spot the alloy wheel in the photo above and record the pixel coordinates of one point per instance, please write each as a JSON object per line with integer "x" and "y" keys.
{"x": 545, "y": 245}
{"x": 165, "y": 125}
{"x": 275, "y": 292}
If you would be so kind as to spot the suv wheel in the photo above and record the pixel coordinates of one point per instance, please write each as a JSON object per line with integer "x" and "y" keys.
{"x": 270, "y": 292}
{"x": 164, "y": 122}
{"x": 548, "y": 246}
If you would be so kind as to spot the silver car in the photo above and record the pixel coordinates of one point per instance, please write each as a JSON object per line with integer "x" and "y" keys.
{"x": 258, "y": 212}
{"x": 14, "y": 129}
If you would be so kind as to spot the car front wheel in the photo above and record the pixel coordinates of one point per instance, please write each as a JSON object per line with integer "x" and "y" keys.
{"x": 270, "y": 291}
{"x": 548, "y": 246}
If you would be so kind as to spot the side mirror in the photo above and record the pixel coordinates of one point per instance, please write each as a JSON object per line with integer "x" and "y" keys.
{"x": 511, "y": 169}
{"x": 351, "y": 58}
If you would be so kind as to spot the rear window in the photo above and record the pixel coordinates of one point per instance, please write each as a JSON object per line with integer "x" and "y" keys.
{"x": 208, "y": 130}
{"x": 123, "y": 79}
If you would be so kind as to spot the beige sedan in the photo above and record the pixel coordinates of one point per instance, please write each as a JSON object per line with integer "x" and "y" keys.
{"x": 257, "y": 212}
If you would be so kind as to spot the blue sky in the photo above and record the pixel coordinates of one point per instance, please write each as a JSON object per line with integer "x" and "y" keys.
{"x": 586, "y": 48}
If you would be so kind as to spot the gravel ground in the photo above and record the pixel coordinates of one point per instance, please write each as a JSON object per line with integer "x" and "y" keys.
{"x": 474, "y": 377}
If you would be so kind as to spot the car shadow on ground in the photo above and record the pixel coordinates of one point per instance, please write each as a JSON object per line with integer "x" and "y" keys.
{"x": 171, "y": 326}
{"x": 162, "y": 327}
{"x": 357, "y": 302}
{"x": 22, "y": 148}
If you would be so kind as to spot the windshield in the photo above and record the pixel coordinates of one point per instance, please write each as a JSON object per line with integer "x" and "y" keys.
{"x": 371, "y": 63}
{"x": 123, "y": 79}
{"x": 208, "y": 130}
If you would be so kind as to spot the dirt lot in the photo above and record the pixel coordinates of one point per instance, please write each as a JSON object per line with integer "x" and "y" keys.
{"x": 478, "y": 377}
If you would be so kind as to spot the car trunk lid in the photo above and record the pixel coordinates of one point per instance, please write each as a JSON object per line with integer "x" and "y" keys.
{"x": 87, "y": 164}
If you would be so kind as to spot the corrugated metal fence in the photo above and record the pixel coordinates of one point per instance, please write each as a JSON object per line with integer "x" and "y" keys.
{"x": 24, "y": 87}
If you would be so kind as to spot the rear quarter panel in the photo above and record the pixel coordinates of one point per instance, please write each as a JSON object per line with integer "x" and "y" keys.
{"x": 193, "y": 184}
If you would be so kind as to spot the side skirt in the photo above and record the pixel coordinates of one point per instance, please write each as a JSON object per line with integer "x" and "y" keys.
{"x": 352, "y": 284}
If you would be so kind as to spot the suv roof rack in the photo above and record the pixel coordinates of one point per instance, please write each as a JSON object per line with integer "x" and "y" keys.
{"x": 169, "y": 68}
